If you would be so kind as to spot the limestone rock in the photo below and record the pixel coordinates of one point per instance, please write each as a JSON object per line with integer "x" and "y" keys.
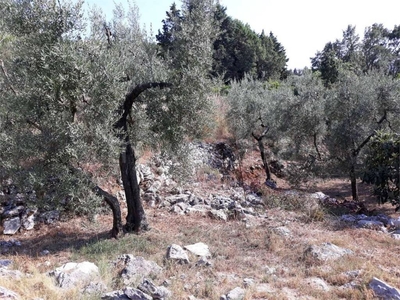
{"x": 282, "y": 231}
{"x": 199, "y": 249}
{"x": 49, "y": 217}
{"x": 72, "y": 274}
{"x": 157, "y": 292}
{"x": 318, "y": 284}
{"x": 11, "y": 226}
{"x": 136, "y": 294}
{"x": 136, "y": 268}
{"x": 94, "y": 288}
{"x": 28, "y": 219}
{"x": 7, "y": 294}
{"x": 12, "y": 274}
{"x": 383, "y": 290}
{"x": 115, "y": 295}
{"x": 236, "y": 294}
{"x": 175, "y": 252}
{"x": 326, "y": 251}
{"x": 13, "y": 212}
{"x": 218, "y": 214}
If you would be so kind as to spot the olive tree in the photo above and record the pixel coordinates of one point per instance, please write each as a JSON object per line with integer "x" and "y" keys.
{"x": 358, "y": 106}
{"x": 78, "y": 102}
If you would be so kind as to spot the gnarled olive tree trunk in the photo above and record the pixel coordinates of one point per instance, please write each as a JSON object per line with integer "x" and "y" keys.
{"x": 136, "y": 218}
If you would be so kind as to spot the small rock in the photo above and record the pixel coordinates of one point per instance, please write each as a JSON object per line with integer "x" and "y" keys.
{"x": 370, "y": 224}
{"x": 28, "y": 219}
{"x": 136, "y": 294}
{"x": 16, "y": 211}
{"x": 282, "y": 231}
{"x": 218, "y": 214}
{"x": 94, "y": 288}
{"x": 11, "y": 226}
{"x": 247, "y": 282}
{"x": 71, "y": 273}
{"x": 175, "y": 252}
{"x": 318, "y": 283}
{"x": 8, "y": 294}
{"x": 49, "y": 217}
{"x": 326, "y": 251}
{"x": 157, "y": 292}
{"x": 236, "y": 294}
{"x": 383, "y": 290}
{"x": 136, "y": 268}
{"x": 115, "y": 295}
{"x": 199, "y": 249}
{"x": 4, "y": 263}
{"x": 203, "y": 262}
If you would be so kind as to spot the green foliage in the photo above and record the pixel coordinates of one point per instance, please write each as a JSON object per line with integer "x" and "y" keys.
{"x": 238, "y": 50}
{"x": 383, "y": 167}
{"x": 64, "y": 88}
{"x": 378, "y": 51}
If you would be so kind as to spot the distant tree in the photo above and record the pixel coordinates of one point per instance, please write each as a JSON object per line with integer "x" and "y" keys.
{"x": 383, "y": 167}
{"x": 76, "y": 103}
{"x": 238, "y": 50}
{"x": 357, "y": 107}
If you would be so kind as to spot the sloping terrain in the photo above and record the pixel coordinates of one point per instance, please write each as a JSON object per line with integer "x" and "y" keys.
{"x": 279, "y": 250}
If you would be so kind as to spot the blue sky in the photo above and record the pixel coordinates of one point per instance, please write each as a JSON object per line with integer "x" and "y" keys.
{"x": 302, "y": 26}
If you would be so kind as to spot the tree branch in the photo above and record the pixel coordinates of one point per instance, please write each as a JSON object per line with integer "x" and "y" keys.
{"x": 131, "y": 98}
{"x": 358, "y": 149}
{"x": 3, "y": 68}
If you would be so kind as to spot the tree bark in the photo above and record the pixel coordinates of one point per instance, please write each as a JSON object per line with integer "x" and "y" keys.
{"x": 353, "y": 177}
{"x": 264, "y": 159}
{"x": 262, "y": 152}
{"x": 136, "y": 218}
{"x": 112, "y": 201}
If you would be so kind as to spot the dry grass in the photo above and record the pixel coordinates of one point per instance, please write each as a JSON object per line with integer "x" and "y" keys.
{"x": 238, "y": 251}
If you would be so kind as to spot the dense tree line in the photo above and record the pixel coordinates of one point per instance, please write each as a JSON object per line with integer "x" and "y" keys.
{"x": 238, "y": 50}
{"x": 378, "y": 50}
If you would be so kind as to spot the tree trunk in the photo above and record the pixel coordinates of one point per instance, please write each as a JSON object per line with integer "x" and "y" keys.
{"x": 112, "y": 201}
{"x": 353, "y": 178}
{"x": 136, "y": 218}
{"x": 264, "y": 159}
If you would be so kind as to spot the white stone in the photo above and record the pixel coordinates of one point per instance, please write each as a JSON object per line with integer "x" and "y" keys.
{"x": 236, "y": 294}
{"x": 72, "y": 273}
{"x": 218, "y": 214}
{"x": 199, "y": 249}
{"x": 175, "y": 252}
{"x": 326, "y": 251}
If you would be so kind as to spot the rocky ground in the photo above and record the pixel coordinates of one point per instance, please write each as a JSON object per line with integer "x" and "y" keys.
{"x": 209, "y": 239}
